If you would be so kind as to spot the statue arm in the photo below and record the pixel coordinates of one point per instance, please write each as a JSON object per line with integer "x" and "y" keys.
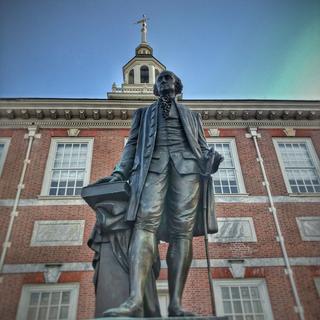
{"x": 124, "y": 166}
{"x": 201, "y": 138}
{"x": 209, "y": 155}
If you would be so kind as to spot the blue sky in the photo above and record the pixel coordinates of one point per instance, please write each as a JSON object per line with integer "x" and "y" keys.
{"x": 221, "y": 49}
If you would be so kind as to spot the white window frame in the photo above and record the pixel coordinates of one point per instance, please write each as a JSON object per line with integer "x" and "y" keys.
{"x": 51, "y": 156}
{"x": 313, "y": 156}
{"x": 260, "y": 283}
{"x": 29, "y": 288}
{"x": 213, "y": 238}
{"x": 300, "y": 221}
{"x": 6, "y": 142}
{"x": 234, "y": 152}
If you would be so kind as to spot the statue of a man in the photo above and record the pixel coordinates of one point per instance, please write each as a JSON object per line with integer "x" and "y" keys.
{"x": 163, "y": 159}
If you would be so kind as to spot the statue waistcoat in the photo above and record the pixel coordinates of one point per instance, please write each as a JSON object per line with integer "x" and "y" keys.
{"x": 170, "y": 133}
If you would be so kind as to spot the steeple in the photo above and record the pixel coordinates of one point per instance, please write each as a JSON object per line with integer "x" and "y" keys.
{"x": 143, "y": 22}
{"x": 139, "y": 74}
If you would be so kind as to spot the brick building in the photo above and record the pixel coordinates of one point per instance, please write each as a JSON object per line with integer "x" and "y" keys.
{"x": 265, "y": 258}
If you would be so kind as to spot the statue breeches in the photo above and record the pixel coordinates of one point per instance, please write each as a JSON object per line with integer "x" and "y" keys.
{"x": 169, "y": 198}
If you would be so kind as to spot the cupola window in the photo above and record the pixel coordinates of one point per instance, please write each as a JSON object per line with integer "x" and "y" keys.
{"x": 144, "y": 74}
{"x": 131, "y": 76}
{"x": 156, "y": 73}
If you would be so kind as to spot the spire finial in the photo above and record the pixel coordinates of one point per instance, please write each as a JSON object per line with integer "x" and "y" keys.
{"x": 143, "y": 22}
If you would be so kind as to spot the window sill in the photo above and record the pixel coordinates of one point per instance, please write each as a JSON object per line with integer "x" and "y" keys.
{"x": 305, "y": 194}
{"x": 43, "y": 197}
{"x": 231, "y": 194}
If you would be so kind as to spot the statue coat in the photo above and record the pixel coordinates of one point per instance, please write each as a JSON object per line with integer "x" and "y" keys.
{"x": 136, "y": 158}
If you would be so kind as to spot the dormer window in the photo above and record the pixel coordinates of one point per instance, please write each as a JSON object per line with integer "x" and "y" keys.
{"x": 131, "y": 76}
{"x": 144, "y": 74}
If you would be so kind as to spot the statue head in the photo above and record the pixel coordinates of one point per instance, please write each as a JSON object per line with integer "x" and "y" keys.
{"x": 167, "y": 83}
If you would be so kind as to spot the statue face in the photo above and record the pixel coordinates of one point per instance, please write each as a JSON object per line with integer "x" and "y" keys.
{"x": 166, "y": 84}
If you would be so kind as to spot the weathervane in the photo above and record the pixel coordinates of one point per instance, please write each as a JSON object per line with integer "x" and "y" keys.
{"x": 143, "y": 22}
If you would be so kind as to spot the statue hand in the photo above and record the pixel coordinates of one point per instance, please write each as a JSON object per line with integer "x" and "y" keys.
{"x": 115, "y": 177}
{"x": 218, "y": 158}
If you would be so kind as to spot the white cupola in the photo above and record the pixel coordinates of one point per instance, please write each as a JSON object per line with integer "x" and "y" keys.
{"x": 139, "y": 74}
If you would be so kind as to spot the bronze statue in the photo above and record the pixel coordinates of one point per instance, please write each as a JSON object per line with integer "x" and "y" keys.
{"x": 165, "y": 160}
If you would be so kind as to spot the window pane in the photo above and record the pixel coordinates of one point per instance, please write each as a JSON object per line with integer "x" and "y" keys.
{"x": 34, "y": 298}
{"x": 247, "y": 306}
{"x": 42, "y": 313}
{"x": 235, "y": 292}
{"x": 65, "y": 297}
{"x": 55, "y": 298}
{"x": 237, "y": 307}
{"x": 227, "y": 307}
{"x": 225, "y": 293}
{"x": 257, "y": 307}
{"x": 32, "y": 313}
{"x": 254, "y": 292}
{"x": 245, "y": 293}
{"x": 44, "y": 298}
{"x": 63, "y": 313}
{"x": 53, "y": 313}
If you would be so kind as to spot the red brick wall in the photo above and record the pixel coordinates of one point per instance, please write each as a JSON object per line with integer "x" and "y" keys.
{"x": 107, "y": 147}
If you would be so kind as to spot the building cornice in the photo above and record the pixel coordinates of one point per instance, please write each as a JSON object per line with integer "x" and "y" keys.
{"x": 118, "y": 113}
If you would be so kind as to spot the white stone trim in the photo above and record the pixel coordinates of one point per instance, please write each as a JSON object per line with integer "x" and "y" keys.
{"x": 234, "y": 152}
{"x": 42, "y": 267}
{"x": 28, "y": 289}
{"x": 40, "y": 224}
{"x": 6, "y": 142}
{"x": 311, "y": 149}
{"x": 196, "y": 263}
{"x": 77, "y": 201}
{"x": 217, "y": 238}
{"x": 260, "y": 283}
{"x": 51, "y": 155}
{"x": 163, "y": 295}
{"x": 304, "y": 236}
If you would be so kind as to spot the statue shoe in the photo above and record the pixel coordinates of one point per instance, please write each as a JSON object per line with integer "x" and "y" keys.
{"x": 177, "y": 312}
{"x": 126, "y": 309}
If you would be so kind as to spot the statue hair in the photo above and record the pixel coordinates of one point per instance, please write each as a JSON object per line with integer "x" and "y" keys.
{"x": 178, "y": 84}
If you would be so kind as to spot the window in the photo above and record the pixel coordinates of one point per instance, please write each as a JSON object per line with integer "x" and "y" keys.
{"x": 299, "y": 164}
{"x": 44, "y": 302}
{"x": 4, "y": 145}
{"x": 234, "y": 230}
{"x": 144, "y": 74}
{"x": 68, "y": 167}
{"x": 131, "y": 76}
{"x": 156, "y": 73}
{"x": 309, "y": 228}
{"x": 242, "y": 299}
{"x": 228, "y": 179}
